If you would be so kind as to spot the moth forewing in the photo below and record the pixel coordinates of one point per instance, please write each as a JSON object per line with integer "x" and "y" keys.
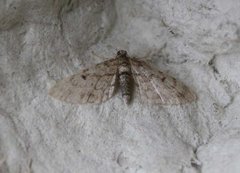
{"x": 93, "y": 85}
{"x": 157, "y": 87}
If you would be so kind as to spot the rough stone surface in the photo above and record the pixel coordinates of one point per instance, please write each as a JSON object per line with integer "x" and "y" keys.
{"x": 195, "y": 41}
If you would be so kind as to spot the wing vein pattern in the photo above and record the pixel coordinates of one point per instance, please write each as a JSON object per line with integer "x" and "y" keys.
{"x": 157, "y": 87}
{"x": 93, "y": 85}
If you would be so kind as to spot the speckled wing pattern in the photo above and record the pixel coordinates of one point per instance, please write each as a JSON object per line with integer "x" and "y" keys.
{"x": 92, "y": 85}
{"x": 156, "y": 87}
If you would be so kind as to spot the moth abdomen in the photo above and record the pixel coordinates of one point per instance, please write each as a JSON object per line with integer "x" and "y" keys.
{"x": 125, "y": 80}
{"x": 125, "y": 85}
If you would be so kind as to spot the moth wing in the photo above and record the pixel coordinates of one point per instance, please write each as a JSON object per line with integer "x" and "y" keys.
{"x": 92, "y": 85}
{"x": 157, "y": 87}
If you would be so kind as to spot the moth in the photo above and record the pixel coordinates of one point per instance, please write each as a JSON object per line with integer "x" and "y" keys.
{"x": 99, "y": 83}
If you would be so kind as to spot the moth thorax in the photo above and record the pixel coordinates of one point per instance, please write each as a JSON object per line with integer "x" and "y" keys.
{"x": 123, "y": 69}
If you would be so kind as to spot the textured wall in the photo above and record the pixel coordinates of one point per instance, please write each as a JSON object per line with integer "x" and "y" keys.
{"x": 43, "y": 41}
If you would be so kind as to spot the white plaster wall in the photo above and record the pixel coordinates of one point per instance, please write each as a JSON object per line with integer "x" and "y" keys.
{"x": 195, "y": 41}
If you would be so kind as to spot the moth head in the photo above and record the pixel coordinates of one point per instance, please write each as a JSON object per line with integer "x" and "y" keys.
{"x": 122, "y": 53}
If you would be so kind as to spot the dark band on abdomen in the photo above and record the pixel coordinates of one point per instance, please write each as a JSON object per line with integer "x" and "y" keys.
{"x": 127, "y": 73}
